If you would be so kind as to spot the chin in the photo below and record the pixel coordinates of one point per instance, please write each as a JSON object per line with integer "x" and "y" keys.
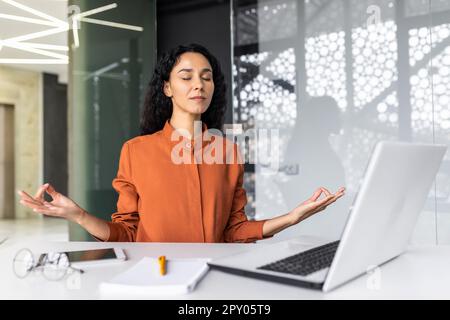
{"x": 197, "y": 109}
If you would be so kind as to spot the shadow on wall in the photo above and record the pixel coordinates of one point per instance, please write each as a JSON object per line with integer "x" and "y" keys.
{"x": 313, "y": 163}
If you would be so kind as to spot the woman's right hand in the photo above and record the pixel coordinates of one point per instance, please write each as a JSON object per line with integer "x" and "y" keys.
{"x": 60, "y": 206}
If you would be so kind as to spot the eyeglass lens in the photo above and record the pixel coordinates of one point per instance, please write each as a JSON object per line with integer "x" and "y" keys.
{"x": 23, "y": 263}
{"x": 55, "y": 265}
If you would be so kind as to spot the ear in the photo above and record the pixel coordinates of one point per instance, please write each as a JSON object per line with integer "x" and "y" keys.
{"x": 167, "y": 89}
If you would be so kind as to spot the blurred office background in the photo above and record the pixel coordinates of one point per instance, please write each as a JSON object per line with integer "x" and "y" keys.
{"x": 332, "y": 76}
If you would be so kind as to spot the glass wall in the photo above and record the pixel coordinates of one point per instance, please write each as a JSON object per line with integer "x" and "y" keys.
{"x": 112, "y": 56}
{"x": 335, "y": 77}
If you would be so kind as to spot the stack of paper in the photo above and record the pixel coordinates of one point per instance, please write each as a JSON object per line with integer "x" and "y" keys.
{"x": 181, "y": 277}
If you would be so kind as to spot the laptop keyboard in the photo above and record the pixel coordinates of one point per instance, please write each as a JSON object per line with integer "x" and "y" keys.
{"x": 306, "y": 262}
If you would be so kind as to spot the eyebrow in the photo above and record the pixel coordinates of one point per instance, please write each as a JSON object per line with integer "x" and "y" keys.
{"x": 190, "y": 70}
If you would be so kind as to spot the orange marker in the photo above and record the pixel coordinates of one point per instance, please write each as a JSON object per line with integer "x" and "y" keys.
{"x": 162, "y": 265}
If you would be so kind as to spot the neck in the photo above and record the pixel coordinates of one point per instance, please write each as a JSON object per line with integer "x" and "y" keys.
{"x": 184, "y": 121}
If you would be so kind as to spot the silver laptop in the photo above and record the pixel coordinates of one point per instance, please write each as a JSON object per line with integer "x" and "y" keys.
{"x": 382, "y": 218}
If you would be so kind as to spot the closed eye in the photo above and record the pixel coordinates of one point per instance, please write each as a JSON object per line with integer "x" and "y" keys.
{"x": 206, "y": 79}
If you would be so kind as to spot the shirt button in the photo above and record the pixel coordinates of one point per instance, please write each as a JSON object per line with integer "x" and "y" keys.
{"x": 188, "y": 145}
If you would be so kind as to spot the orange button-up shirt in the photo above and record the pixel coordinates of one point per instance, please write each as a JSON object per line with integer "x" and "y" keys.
{"x": 162, "y": 201}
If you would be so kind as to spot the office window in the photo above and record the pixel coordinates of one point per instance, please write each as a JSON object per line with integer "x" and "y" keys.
{"x": 335, "y": 77}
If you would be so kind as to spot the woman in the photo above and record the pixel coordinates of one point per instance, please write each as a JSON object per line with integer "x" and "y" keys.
{"x": 164, "y": 201}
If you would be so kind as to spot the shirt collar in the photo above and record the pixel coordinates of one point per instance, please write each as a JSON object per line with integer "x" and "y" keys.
{"x": 168, "y": 130}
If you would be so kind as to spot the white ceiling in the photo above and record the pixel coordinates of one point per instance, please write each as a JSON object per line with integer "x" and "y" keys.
{"x": 10, "y": 28}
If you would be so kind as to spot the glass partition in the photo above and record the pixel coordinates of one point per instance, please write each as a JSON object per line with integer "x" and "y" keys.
{"x": 112, "y": 54}
{"x": 334, "y": 77}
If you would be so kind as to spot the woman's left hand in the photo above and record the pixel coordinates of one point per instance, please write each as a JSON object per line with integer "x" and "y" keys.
{"x": 314, "y": 204}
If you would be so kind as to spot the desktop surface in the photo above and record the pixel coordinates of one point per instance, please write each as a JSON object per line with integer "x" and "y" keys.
{"x": 420, "y": 273}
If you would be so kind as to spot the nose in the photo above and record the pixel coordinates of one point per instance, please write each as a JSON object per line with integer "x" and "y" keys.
{"x": 198, "y": 83}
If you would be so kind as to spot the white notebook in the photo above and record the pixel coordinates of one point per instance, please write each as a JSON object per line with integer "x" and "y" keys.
{"x": 182, "y": 275}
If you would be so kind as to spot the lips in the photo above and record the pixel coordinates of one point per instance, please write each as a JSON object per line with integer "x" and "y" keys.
{"x": 198, "y": 98}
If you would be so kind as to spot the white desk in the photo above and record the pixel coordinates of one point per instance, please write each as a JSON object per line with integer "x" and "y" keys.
{"x": 421, "y": 273}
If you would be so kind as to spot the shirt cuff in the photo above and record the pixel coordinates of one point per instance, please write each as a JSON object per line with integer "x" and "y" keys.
{"x": 114, "y": 232}
{"x": 260, "y": 226}
{"x": 255, "y": 231}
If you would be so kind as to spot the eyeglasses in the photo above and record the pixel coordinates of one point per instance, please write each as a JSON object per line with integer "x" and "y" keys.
{"x": 53, "y": 265}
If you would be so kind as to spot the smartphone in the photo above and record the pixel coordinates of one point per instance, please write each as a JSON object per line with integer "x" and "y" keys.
{"x": 95, "y": 256}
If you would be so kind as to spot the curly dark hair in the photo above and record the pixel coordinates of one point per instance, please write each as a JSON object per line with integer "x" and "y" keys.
{"x": 157, "y": 107}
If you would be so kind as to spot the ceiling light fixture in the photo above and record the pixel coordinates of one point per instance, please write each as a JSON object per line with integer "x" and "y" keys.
{"x": 58, "y": 26}
{"x": 112, "y": 24}
{"x": 46, "y": 46}
{"x": 32, "y": 61}
{"x": 29, "y": 20}
{"x": 20, "y": 46}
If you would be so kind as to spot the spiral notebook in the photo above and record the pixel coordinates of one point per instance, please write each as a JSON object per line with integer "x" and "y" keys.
{"x": 182, "y": 275}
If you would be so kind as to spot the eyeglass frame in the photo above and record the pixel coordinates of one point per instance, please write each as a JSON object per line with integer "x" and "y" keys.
{"x": 42, "y": 262}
